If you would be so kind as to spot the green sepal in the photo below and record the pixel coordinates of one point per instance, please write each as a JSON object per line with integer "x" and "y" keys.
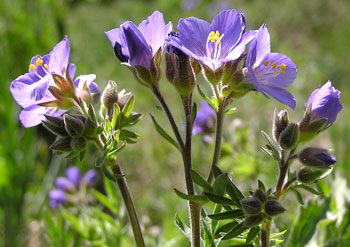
{"x": 219, "y": 185}
{"x": 235, "y": 194}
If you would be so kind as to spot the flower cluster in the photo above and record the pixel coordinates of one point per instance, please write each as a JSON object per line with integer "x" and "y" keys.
{"x": 72, "y": 189}
{"x": 48, "y": 89}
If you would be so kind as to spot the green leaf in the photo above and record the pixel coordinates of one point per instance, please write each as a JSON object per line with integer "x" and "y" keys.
{"x": 235, "y": 194}
{"x": 164, "y": 134}
{"x": 272, "y": 144}
{"x": 206, "y": 98}
{"x": 219, "y": 185}
{"x": 253, "y": 232}
{"x": 92, "y": 114}
{"x": 237, "y": 230}
{"x": 276, "y": 235}
{"x": 116, "y": 114}
{"x": 110, "y": 188}
{"x": 200, "y": 181}
{"x": 127, "y": 109}
{"x": 194, "y": 112}
{"x": 308, "y": 188}
{"x": 219, "y": 199}
{"x": 214, "y": 223}
{"x": 225, "y": 228}
{"x": 131, "y": 120}
{"x": 299, "y": 197}
{"x": 216, "y": 171}
{"x": 185, "y": 229}
{"x": 242, "y": 245}
{"x": 231, "y": 214}
{"x": 230, "y": 111}
{"x": 105, "y": 201}
{"x": 74, "y": 221}
{"x": 196, "y": 198}
{"x": 108, "y": 173}
{"x": 214, "y": 103}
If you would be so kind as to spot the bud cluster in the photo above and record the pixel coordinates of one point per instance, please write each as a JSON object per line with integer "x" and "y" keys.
{"x": 72, "y": 189}
{"x": 260, "y": 206}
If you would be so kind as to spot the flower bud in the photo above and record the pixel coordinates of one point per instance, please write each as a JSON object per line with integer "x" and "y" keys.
{"x": 253, "y": 220}
{"x": 73, "y": 174}
{"x": 57, "y": 197}
{"x": 261, "y": 195}
{"x": 123, "y": 98}
{"x": 280, "y": 123}
{"x": 273, "y": 208}
{"x": 61, "y": 144}
{"x": 78, "y": 144}
{"x": 110, "y": 95}
{"x": 316, "y": 157}
{"x": 289, "y": 136}
{"x": 309, "y": 175}
{"x": 74, "y": 125}
{"x": 55, "y": 125}
{"x": 251, "y": 205}
{"x": 90, "y": 178}
{"x": 64, "y": 184}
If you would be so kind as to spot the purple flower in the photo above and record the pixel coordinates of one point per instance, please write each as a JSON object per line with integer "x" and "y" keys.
{"x": 32, "y": 90}
{"x": 57, "y": 197}
{"x": 90, "y": 178}
{"x": 64, "y": 184}
{"x": 213, "y": 44}
{"x": 138, "y": 45}
{"x": 270, "y": 72}
{"x": 205, "y": 120}
{"x": 316, "y": 157}
{"x": 73, "y": 174}
{"x": 325, "y": 103}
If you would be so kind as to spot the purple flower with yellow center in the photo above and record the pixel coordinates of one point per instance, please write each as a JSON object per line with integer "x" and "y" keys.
{"x": 213, "y": 44}
{"x": 205, "y": 120}
{"x": 269, "y": 72}
{"x": 140, "y": 46}
{"x": 325, "y": 103}
{"x": 41, "y": 91}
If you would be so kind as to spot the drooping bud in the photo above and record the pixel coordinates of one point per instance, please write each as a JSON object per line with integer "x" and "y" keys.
{"x": 289, "y": 136}
{"x": 55, "y": 125}
{"x": 90, "y": 178}
{"x": 273, "y": 208}
{"x": 261, "y": 195}
{"x": 78, "y": 144}
{"x": 280, "y": 123}
{"x": 253, "y": 220}
{"x": 73, "y": 125}
{"x": 61, "y": 144}
{"x": 64, "y": 184}
{"x": 110, "y": 95}
{"x": 251, "y": 205}
{"x": 316, "y": 157}
{"x": 309, "y": 175}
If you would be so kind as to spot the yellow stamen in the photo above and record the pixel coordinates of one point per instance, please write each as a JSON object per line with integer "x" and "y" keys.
{"x": 274, "y": 65}
{"x": 39, "y": 62}
{"x": 283, "y": 67}
{"x": 32, "y": 67}
{"x": 266, "y": 63}
{"x": 212, "y": 37}
{"x": 45, "y": 65}
{"x": 215, "y": 37}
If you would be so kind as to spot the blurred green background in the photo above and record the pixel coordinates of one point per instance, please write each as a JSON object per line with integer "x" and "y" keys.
{"x": 315, "y": 34}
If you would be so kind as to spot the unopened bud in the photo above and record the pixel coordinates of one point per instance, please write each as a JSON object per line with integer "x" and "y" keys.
{"x": 251, "y": 205}
{"x": 123, "y": 98}
{"x": 110, "y": 95}
{"x": 316, "y": 157}
{"x": 253, "y": 220}
{"x": 309, "y": 175}
{"x": 61, "y": 144}
{"x": 273, "y": 208}
{"x": 78, "y": 143}
{"x": 73, "y": 125}
{"x": 289, "y": 136}
{"x": 261, "y": 195}
{"x": 55, "y": 125}
{"x": 90, "y": 178}
{"x": 280, "y": 123}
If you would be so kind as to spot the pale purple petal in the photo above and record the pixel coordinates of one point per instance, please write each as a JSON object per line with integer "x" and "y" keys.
{"x": 57, "y": 197}
{"x": 64, "y": 184}
{"x": 33, "y": 115}
{"x": 238, "y": 50}
{"x": 114, "y": 36}
{"x": 59, "y": 57}
{"x": 90, "y": 178}
{"x": 259, "y": 48}
{"x": 73, "y": 174}
{"x": 281, "y": 95}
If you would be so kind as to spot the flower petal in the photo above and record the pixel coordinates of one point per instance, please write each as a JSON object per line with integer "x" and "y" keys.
{"x": 259, "y": 48}
{"x": 238, "y": 50}
{"x": 59, "y": 57}
{"x": 33, "y": 115}
{"x": 281, "y": 95}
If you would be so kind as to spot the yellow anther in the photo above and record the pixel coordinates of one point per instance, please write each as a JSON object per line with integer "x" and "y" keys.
{"x": 39, "y": 62}
{"x": 215, "y": 37}
{"x": 283, "y": 67}
{"x": 274, "y": 65}
{"x": 32, "y": 67}
{"x": 45, "y": 65}
{"x": 266, "y": 63}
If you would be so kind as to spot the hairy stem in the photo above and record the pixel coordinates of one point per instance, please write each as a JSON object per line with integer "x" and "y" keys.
{"x": 218, "y": 135}
{"x": 187, "y": 159}
{"x": 265, "y": 234}
{"x": 161, "y": 100}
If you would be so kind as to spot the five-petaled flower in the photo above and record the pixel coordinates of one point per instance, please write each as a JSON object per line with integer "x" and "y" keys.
{"x": 42, "y": 90}
{"x": 213, "y": 44}
{"x": 140, "y": 47}
{"x": 269, "y": 72}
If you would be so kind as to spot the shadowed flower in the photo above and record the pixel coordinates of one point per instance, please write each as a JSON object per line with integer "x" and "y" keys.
{"x": 325, "y": 103}
{"x": 270, "y": 72}
{"x": 205, "y": 120}
{"x": 212, "y": 44}
{"x": 142, "y": 45}
{"x": 72, "y": 189}
{"x": 47, "y": 88}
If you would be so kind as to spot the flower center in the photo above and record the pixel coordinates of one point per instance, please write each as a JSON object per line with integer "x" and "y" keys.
{"x": 39, "y": 63}
{"x": 276, "y": 68}
{"x": 214, "y": 44}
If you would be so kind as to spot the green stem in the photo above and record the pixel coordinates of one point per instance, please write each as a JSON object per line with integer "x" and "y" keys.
{"x": 124, "y": 190}
{"x": 265, "y": 234}
{"x": 218, "y": 136}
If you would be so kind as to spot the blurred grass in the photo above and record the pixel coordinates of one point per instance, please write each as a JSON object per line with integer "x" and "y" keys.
{"x": 314, "y": 33}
